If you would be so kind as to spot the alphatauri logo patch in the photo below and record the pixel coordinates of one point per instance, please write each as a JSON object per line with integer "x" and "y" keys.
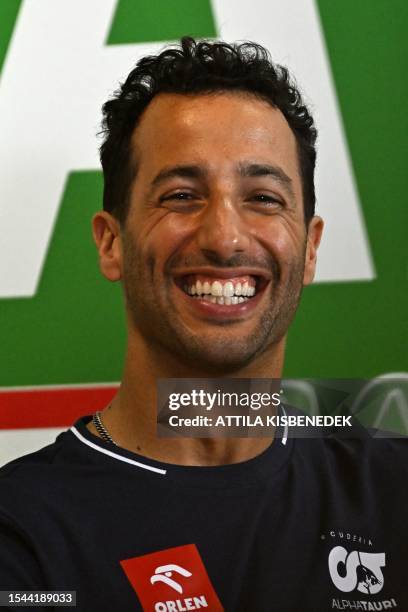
{"x": 171, "y": 580}
{"x": 356, "y": 570}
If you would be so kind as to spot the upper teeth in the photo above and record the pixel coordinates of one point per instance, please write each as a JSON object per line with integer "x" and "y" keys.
{"x": 218, "y": 289}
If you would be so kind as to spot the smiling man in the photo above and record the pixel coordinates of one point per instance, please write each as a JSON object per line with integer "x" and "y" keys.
{"x": 209, "y": 224}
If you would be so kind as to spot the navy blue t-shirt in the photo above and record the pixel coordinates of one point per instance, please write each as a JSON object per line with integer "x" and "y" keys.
{"x": 309, "y": 525}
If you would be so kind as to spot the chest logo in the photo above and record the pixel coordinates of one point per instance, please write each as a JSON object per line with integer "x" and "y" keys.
{"x": 164, "y": 573}
{"x": 356, "y": 570}
{"x": 170, "y": 580}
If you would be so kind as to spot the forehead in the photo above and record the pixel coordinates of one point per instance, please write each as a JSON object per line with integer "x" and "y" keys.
{"x": 217, "y": 130}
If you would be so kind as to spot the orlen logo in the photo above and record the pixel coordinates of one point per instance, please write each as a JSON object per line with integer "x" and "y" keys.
{"x": 158, "y": 576}
{"x": 164, "y": 573}
{"x": 356, "y": 570}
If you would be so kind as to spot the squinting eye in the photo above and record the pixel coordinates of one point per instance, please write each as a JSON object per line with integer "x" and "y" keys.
{"x": 266, "y": 199}
{"x": 181, "y": 195}
{"x": 181, "y": 201}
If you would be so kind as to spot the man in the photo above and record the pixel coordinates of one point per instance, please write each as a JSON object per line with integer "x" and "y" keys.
{"x": 209, "y": 224}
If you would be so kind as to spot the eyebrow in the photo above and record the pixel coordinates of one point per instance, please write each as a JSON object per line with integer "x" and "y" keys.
{"x": 179, "y": 171}
{"x": 275, "y": 172}
{"x": 244, "y": 170}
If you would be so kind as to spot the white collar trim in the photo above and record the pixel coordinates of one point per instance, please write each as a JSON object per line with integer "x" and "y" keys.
{"x": 105, "y": 451}
{"x": 286, "y": 429}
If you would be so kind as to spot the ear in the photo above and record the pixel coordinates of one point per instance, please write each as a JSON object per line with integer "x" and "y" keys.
{"x": 314, "y": 234}
{"x": 106, "y": 233}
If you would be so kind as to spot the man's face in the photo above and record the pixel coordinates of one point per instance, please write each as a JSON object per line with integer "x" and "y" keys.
{"x": 214, "y": 243}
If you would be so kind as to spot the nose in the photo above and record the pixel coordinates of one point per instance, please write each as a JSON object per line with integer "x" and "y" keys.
{"x": 222, "y": 232}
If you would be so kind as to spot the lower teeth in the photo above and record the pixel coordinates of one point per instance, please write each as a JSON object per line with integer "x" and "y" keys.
{"x": 226, "y": 301}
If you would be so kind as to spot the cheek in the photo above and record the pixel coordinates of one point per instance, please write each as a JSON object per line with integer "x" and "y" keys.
{"x": 167, "y": 237}
{"x": 283, "y": 240}
{"x": 159, "y": 245}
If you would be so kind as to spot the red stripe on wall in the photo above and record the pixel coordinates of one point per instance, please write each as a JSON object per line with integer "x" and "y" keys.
{"x": 51, "y": 407}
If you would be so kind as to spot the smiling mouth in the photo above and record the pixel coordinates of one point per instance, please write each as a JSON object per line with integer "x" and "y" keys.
{"x": 230, "y": 291}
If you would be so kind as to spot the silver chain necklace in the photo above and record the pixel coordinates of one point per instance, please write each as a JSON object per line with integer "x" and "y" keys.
{"x": 101, "y": 429}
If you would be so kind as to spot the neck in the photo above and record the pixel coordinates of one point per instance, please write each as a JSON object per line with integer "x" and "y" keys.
{"x": 131, "y": 418}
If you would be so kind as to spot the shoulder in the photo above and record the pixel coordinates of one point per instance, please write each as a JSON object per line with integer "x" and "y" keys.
{"x": 367, "y": 458}
{"x": 21, "y": 466}
{"x": 45, "y": 456}
{"x": 32, "y": 481}
{"x": 59, "y": 457}
{"x": 370, "y": 444}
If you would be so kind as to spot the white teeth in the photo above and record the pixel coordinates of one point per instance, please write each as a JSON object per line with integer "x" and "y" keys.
{"x": 228, "y": 289}
{"x": 221, "y": 300}
{"x": 216, "y": 289}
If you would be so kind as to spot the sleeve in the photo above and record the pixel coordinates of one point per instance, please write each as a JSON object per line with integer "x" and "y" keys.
{"x": 19, "y": 569}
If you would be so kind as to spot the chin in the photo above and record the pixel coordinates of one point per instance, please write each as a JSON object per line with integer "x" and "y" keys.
{"x": 221, "y": 357}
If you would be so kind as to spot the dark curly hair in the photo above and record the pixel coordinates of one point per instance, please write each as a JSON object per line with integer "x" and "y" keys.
{"x": 197, "y": 67}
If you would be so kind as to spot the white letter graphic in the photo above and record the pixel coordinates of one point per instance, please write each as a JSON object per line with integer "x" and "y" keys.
{"x": 57, "y": 74}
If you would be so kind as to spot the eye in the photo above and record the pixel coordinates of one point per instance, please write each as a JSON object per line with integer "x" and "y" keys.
{"x": 179, "y": 195}
{"x": 180, "y": 201}
{"x": 265, "y": 198}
